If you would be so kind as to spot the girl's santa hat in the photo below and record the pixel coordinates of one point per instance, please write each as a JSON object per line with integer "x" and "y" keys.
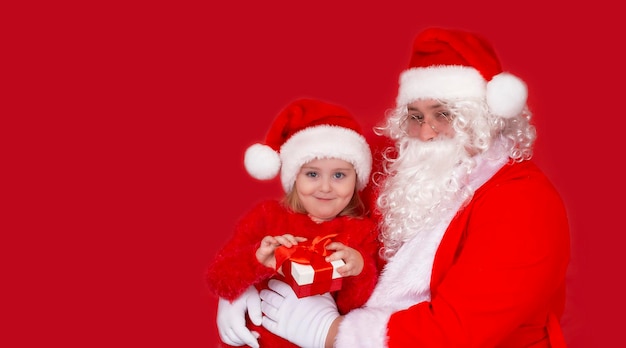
{"x": 449, "y": 64}
{"x": 305, "y": 130}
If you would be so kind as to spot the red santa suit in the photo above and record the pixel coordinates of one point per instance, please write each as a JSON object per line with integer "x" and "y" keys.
{"x": 492, "y": 275}
{"x": 235, "y": 267}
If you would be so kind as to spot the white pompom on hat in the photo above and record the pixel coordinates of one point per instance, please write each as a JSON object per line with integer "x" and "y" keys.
{"x": 450, "y": 64}
{"x": 305, "y": 130}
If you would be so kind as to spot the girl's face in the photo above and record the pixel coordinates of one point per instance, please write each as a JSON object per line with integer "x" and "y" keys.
{"x": 325, "y": 187}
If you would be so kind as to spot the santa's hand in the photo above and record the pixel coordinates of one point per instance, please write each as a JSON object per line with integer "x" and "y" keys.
{"x": 303, "y": 321}
{"x": 231, "y": 318}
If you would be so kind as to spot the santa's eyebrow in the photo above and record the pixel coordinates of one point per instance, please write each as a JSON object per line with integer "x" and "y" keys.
{"x": 431, "y": 107}
{"x": 437, "y": 106}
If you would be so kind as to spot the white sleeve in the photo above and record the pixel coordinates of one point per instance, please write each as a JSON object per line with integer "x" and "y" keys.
{"x": 364, "y": 327}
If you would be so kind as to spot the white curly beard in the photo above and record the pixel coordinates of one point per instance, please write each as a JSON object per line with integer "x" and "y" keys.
{"x": 424, "y": 183}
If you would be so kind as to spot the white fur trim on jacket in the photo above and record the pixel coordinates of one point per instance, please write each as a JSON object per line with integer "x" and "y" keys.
{"x": 364, "y": 327}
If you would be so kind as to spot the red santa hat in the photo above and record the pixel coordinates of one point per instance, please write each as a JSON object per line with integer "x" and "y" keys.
{"x": 305, "y": 130}
{"x": 449, "y": 64}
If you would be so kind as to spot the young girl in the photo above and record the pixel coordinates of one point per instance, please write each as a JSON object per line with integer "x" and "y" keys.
{"x": 324, "y": 162}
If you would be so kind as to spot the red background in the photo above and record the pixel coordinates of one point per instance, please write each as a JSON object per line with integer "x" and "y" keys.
{"x": 125, "y": 126}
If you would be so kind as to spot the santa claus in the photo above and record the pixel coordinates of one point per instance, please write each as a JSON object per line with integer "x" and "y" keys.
{"x": 476, "y": 238}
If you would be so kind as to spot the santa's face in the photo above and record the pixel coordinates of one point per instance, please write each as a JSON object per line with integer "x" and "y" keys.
{"x": 325, "y": 187}
{"x": 426, "y": 119}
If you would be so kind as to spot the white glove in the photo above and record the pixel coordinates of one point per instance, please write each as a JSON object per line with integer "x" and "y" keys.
{"x": 303, "y": 321}
{"x": 231, "y": 318}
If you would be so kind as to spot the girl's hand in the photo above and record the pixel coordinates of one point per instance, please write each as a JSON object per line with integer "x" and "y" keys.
{"x": 353, "y": 259}
{"x": 265, "y": 252}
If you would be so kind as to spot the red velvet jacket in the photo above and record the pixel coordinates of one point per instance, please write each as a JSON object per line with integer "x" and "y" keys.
{"x": 235, "y": 267}
{"x": 499, "y": 273}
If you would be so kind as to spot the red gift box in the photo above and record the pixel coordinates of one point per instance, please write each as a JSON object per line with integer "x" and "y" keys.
{"x": 305, "y": 269}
